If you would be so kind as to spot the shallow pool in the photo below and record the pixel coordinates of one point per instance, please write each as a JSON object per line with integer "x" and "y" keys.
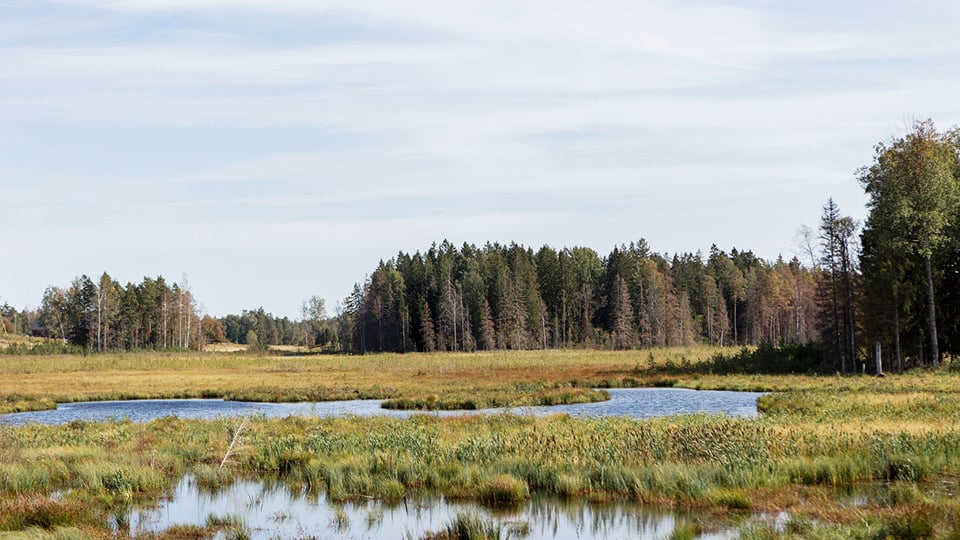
{"x": 274, "y": 511}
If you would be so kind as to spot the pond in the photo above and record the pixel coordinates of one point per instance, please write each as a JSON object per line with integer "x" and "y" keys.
{"x": 274, "y": 511}
{"x": 629, "y": 402}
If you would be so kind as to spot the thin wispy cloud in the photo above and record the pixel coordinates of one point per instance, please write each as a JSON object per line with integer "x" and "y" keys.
{"x": 181, "y": 133}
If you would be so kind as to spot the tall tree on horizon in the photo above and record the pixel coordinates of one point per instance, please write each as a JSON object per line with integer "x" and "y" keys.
{"x": 914, "y": 193}
{"x": 620, "y": 315}
{"x": 108, "y": 311}
{"x": 838, "y": 317}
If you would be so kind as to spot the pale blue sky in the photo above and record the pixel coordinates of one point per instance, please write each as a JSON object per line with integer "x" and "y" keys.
{"x": 276, "y": 149}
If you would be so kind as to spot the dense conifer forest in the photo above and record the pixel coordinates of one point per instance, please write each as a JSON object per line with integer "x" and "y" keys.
{"x": 512, "y": 297}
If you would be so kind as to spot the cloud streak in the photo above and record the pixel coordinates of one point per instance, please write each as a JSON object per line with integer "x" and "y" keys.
{"x": 188, "y": 132}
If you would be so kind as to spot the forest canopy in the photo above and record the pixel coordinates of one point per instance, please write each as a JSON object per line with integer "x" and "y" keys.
{"x": 512, "y": 297}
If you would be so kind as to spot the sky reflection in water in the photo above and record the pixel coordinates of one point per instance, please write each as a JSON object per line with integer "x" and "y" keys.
{"x": 630, "y": 402}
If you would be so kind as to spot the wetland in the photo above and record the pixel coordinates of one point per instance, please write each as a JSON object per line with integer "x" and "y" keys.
{"x": 787, "y": 471}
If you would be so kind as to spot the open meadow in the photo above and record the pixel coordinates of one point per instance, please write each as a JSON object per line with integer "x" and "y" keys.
{"x": 820, "y": 444}
{"x": 445, "y": 381}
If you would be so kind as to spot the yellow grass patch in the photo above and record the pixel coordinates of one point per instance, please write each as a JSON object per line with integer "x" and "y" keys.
{"x": 7, "y": 340}
{"x": 224, "y": 347}
{"x": 504, "y": 377}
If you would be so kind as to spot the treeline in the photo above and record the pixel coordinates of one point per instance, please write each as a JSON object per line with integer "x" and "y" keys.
{"x": 104, "y": 315}
{"x": 260, "y": 329}
{"x": 16, "y": 322}
{"x": 890, "y": 285}
{"x": 510, "y": 297}
{"x": 893, "y": 281}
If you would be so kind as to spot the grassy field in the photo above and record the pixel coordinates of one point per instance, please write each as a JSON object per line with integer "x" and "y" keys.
{"x": 476, "y": 380}
{"x": 6, "y": 340}
{"x": 820, "y": 438}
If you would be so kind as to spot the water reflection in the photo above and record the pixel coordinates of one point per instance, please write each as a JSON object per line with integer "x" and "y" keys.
{"x": 631, "y": 402}
{"x": 273, "y": 511}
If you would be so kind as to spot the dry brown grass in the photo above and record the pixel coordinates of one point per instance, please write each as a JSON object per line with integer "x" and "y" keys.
{"x": 236, "y": 347}
{"x": 224, "y": 347}
{"x": 15, "y": 339}
{"x": 509, "y": 376}
{"x": 913, "y": 403}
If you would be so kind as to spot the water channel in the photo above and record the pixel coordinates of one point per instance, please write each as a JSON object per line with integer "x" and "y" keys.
{"x": 630, "y": 402}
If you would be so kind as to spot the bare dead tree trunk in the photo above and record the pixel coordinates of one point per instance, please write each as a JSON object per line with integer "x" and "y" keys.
{"x": 735, "y": 337}
{"x": 99, "y": 318}
{"x": 851, "y": 324}
{"x": 932, "y": 314}
{"x": 896, "y": 336}
{"x": 879, "y": 359}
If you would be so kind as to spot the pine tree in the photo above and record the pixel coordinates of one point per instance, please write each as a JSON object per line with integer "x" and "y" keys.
{"x": 835, "y": 290}
{"x": 427, "y": 332}
{"x": 488, "y": 332}
{"x": 621, "y": 315}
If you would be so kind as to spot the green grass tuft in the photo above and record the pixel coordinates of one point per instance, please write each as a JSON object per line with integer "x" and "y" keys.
{"x": 503, "y": 489}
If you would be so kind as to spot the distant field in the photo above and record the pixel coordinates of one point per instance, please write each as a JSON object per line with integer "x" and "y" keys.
{"x": 7, "y": 340}
{"x": 14, "y": 339}
{"x": 460, "y": 380}
{"x": 442, "y": 380}
{"x": 236, "y": 347}
{"x": 224, "y": 347}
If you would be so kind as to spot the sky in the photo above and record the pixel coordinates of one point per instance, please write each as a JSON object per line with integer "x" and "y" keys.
{"x": 271, "y": 150}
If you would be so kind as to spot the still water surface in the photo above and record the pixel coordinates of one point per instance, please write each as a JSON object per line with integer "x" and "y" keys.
{"x": 630, "y": 402}
{"x": 277, "y": 512}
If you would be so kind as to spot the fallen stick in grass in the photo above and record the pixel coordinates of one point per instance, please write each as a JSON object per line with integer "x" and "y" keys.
{"x": 233, "y": 442}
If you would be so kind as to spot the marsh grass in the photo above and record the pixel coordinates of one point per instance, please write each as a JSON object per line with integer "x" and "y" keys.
{"x": 517, "y": 397}
{"x": 471, "y": 526}
{"x": 227, "y": 526}
{"x": 497, "y": 458}
{"x": 683, "y": 531}
{"x": 818, "y": 434}
{"x": 37, "y": 533}
{"x": 186, "y": 532}
{"x": 31, "y": 510}
{"x": 417, "y": 380}
{"x": 730, "y": 498}
{"x": 906, "y": 523}
{"x": 340, "y": 521}
{"x": 502, "y": 490}
{"x": 455, "y": 380}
